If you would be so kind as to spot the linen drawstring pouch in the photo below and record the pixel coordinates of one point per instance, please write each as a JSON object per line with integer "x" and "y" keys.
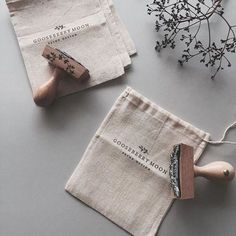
{"x": 124, "y": 173}
{"x": 80, "y": 28}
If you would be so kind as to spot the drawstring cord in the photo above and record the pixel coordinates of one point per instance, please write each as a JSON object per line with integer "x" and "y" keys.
{"x": 222, "y": 140}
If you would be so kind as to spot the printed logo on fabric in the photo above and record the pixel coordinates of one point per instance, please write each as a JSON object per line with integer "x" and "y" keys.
{"x": 141, "y": 157}
{"x": 60, "y": 33}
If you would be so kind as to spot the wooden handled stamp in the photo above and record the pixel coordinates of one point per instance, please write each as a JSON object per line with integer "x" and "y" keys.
{"x": 45, "y": 95}
{"x": 183, "y": 171}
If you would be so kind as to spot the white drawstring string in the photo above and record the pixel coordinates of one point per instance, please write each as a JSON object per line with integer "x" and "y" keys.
{"x": 222, "y": 140}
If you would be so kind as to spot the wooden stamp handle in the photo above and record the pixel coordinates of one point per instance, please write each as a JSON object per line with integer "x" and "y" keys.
{"x": 216, "y": 171}
{"x": 46, "y": 94}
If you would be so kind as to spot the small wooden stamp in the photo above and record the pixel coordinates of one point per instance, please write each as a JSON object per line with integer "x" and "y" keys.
{"x": 64, "y": 63}
{"x": 183, "y": 171}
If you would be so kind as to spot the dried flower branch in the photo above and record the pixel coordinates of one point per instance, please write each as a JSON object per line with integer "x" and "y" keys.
{"x": 184, "y": 19}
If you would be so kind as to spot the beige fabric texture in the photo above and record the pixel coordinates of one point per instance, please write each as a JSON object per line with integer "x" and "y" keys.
{"x": 100, "y": 47}
{"x": 124, "y": 173}
{"x": 129, "y": 43}
{"x": 115, "y": 32}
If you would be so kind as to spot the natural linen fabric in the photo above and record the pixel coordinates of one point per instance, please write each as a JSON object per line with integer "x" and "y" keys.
{"x": 115, "y": 32}
{"x": 99, "y": 47}
{"x": 124, "y": 172}
{"x": 129, "y": 43}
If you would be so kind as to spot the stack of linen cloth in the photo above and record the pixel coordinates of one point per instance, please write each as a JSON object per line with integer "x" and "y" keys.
{"x": 90, "y": 31}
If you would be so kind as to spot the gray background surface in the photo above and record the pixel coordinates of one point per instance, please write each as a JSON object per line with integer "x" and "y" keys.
{"x": 40, "y": 148}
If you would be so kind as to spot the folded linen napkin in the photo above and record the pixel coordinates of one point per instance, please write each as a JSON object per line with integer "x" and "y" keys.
{"x": 100, "y": 47}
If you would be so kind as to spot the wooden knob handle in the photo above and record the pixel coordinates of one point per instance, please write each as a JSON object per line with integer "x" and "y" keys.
{"x": 216, "y": 171}
{"x": 46, "y": 94}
